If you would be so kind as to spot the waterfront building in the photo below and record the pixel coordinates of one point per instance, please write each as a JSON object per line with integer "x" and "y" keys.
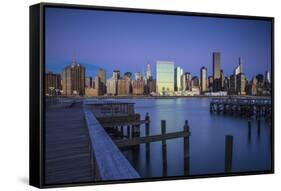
{"x": 52, "y": 83}
{"x": 210, "y": 83}
{"x": 116, "y": 74}
{"x": 222, "y": 80}
{"x": 128, "y": 75}
{"x": 232, "y": 84}
{"x": 88, "y": 82}
{"x": 177, "y": 80}
{"x": 102, "y": 76}
{"x": 73, "y": 80}
{"x": 252, "y": 87}
{"x": 123, "y": 85}
{"x": 267, "y": 77}
{"x": 241, "y": 84}
{"x": 183, "y": 82}
{"x": 188, "y": 81}
{"x": 138, "y": 87}
{"x": 148, "y": 72}
{"x": 203, "y": 79}
{"x": 239, "y": 68}
{"x": 138, "y": 76}
{"x": 195, "y": 84}
{"x": 165, "y": 77}
{"x": 111, "y": 86}
{"x": 216, "y": 71}
{"x": 151, "y": 85}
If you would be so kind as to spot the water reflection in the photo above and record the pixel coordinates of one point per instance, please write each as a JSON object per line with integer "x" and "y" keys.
{"x": 251, "y": 144}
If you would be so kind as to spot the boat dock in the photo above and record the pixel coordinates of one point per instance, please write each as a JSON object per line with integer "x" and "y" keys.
{"x": 245, "y": 107}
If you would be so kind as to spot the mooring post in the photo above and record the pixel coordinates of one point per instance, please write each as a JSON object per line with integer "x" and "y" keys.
{"x": 147, "y": 145}
{"x": 186, "y": 149}
{"x": 164, "y": 147}
{"x": 122, "y": 130}
{"x": 228, "y": 153}
{"x": 128, "y": 131}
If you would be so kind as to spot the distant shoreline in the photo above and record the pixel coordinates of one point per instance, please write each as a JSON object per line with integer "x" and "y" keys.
{"x": 166, "y": 97}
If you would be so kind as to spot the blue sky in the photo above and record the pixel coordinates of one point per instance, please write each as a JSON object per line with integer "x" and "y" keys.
{"x": 128, "y": 41}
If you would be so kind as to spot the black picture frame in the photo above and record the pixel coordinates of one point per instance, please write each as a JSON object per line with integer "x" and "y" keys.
{"x": 37, "y": 81}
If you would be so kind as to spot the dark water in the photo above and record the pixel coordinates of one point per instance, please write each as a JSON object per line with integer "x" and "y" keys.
{"x": 207, "y": 141}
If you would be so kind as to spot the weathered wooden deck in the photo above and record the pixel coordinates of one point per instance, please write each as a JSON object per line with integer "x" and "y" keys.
{"x": 67, "y": 146}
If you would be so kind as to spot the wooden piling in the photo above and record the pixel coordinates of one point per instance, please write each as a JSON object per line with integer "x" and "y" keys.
{"x": 122, "y": 130}
{"x": 128, "y": 131}
{"x": 186, "y": 150}
{"x": 228, "y": 153}
{"x": 164, "y": 148}
{"x": 147, "y": 145}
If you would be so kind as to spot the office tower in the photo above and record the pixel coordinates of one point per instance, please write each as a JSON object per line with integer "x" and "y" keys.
{"x": 116, "y": 74}
{"x": 232, "y": 84}
{"x": 89, "y": 82}
{"x": 151, "y": 85}
{"x": 123, "y": 85}
{"x": 138, "y": 76}
{"x": 222, "y": 80}
{"x": 252, "y": 87}
{"x": 226, "y": 83}
{"x": 216, "y": 71}
{"x": 241, "y": 84}
{"x": 183, "y": 82}
{"x": 267, "y": 76}
{"x": 210, "y": 83}
{"x": 95, "y": 89}
{"x": 177, "y": 80}
{"x": 195, "y": 83}
{"x": 165, "y": 77}
{"x": 239, "y": 68}
{"x": 128, "y": 74}
{"x": 203, "y": 79}
{"x": 52, "y": 83}
{"x": 138, "y": 87}
{"x": 73, "y": 80}
{"x": 148, "y": 72}
{"x": 111, "y": 86}
{"x": 188, "y": 81}
{"x": 102, "y": 76}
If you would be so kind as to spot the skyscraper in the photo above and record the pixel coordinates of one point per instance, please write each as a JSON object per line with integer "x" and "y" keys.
{"x": 203, "y": 79}
{"x": 138, "y": 76}
{"x": 239, "y": 68}
{"x": 73, "y": 80}
{"x": 116, "y": 74}
{"x": 216, "y": 71}
{"x": 188, "y": 81}
{"x": 148, "y": 72}
{"x": 52, "y": 82}
{"x": 177, "y": 81}
{"x": 102, "y": 81}
{"x": 165, "y": 77}
{"x": 267, "y": 76}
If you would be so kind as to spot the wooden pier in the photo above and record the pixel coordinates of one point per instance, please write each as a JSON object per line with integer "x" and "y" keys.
{"x": 245, "y": 107}
{"x": 67, "y": 156}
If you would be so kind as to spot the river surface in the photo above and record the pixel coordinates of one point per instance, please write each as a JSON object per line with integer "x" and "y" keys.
{"x": 207, "y": 140}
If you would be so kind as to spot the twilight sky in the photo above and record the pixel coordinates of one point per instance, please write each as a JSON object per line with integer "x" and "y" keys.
{"x": 128, "y": 41}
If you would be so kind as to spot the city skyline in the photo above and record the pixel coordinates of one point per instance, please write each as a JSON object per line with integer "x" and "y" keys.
{"x": 139, "y": 39}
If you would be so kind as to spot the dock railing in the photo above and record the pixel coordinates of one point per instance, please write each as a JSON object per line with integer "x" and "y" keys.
{"x": 107, "y": 160}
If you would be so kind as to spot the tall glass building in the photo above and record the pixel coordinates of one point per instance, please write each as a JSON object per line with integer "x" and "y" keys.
{"x": 165, "y": 77}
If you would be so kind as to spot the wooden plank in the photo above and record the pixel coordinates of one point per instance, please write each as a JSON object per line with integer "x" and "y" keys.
{"x": 110, "y": 163}
{"x": 152, "y": 138}
{"x": 67, "y": 146}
